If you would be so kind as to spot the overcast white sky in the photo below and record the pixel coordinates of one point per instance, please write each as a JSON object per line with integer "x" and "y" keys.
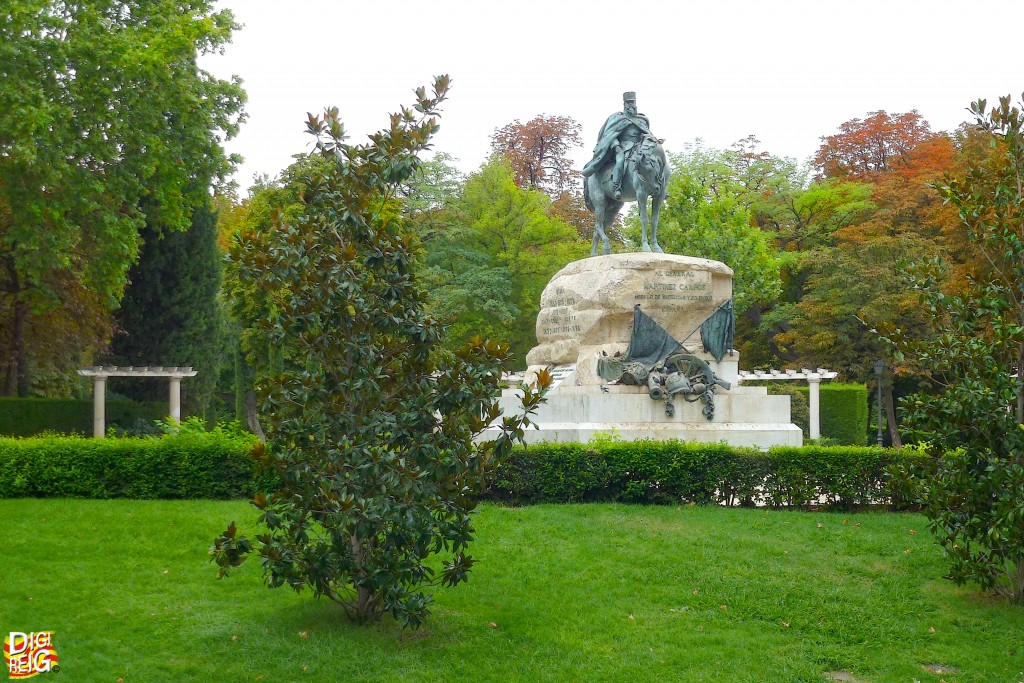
{"x": 788, "y": 71}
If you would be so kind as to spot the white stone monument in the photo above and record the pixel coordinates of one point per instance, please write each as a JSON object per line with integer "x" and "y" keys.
{"x": 587, "y": 314}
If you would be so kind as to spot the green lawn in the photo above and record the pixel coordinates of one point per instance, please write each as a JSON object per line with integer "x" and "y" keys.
{"x": 561, "y": 593}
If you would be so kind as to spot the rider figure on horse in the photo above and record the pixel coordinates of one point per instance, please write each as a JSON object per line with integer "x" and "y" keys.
{"x": 619, "y": 134}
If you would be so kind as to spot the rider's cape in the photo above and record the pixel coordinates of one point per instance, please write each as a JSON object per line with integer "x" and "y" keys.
{"x": 610, "y": 131}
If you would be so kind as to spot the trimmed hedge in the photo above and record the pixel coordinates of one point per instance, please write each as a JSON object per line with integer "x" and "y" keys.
{"x": 218, "y": 465}
{"x": 843, "y": 412}
{"x": 183, "y": 466}
{"x": 31, "y": 416}
{"x": 673, "y": 472}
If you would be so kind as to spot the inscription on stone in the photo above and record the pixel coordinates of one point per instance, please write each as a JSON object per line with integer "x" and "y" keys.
{"x": 558, "y": 316}
{"x": 676, "y": 285}
{"x": 559, "y": 320}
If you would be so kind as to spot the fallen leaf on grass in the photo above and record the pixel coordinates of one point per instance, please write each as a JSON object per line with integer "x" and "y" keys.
{"x": 913, "y": 533}
{"x": 724, "y": 608}
{"x": 906, "y": 551}
{"x": 696, "y": 591}
{"x": 305, "y": 667}
{"x": 820, "y": 525}
{"x": 785, "y": 624}
{"x": 491, "y": 624}
{"x": 931, "y": 629}
{"x": 234, "y": 638}
{"x": 857, "y": 525}
{"x": 845, "y": 522}
{"x": 303, "y": 634}
{"x": 632, "y": 618}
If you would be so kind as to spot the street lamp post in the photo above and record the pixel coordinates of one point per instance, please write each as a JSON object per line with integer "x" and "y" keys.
{"x": 879, "y": 369}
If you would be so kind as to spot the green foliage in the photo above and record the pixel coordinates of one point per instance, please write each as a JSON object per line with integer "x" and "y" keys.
{"x": 170, "y": 315}
{"x": 31, "y": 416}
{"x": 190, "y": 464}
{"x": 707, "y": 215}
{"x": 106, "y": 122}
{"x": 974, "y": 420}
{"x": 975, "y": 504}
{"x": 671, "y": 472}
{"x": 490, "y": 257}
{"x": 371, "y": 426}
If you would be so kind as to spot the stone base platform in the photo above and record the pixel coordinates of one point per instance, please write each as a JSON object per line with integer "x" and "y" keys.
{"x": 744, "y": 416}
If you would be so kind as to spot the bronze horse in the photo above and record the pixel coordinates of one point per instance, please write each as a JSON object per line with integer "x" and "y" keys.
{"x": 645, "y": 175}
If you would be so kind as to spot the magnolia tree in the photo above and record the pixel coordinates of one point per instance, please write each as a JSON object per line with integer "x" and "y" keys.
{"x": 371, "y": 427}
{"x": 975, "y": 418}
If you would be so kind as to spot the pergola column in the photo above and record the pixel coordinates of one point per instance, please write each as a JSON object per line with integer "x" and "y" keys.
{"x": 814, "y": 383}
{"x": 99, "y": 416}
{"x": 176, "y": 399}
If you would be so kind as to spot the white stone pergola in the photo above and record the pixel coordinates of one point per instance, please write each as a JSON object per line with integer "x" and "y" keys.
{"x": 813, "y": 378}
{"x": 100, "y": 374}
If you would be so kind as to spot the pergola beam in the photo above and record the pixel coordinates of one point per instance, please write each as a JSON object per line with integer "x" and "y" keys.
{"x": 100, "y": 373}
{"x": 813, "y": 378}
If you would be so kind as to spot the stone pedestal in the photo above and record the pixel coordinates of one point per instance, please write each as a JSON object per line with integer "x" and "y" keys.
{"x": 587, "y": 311}
{"x": 587, "y": 307}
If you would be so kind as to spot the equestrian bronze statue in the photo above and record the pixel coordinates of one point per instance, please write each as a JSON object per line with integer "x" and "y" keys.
{"x": 629, "y": 164}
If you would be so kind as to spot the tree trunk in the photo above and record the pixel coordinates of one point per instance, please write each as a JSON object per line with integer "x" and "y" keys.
{"x": 252, "y": 417}
{"x": 365, "y": 607}
{"x": 13, "y": 372}
{"x": 890, "y": 415}
{"x": 1020, "y": 384}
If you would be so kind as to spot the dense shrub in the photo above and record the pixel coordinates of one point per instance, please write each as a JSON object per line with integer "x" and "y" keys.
{"x": 676, "y": 472}
{"x": 190, "y": 464}
{"x": 31, "y": 416}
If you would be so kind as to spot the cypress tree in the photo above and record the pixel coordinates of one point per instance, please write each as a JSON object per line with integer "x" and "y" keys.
{"x": 170, "y": 314}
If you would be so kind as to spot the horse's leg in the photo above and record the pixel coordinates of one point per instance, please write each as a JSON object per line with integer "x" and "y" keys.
{"x": 641, "y": 205}
{"x": 606, "y": 223}
{"x": 655, "y": 207}
{"x": 600, "y": 212}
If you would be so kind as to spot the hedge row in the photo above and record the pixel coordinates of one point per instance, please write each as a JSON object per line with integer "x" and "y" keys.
{"x": 31, "y": 416}
{"x": 185, "y": 466}
{"x": 217, "y": 465}
{"x": 674, "y": 472}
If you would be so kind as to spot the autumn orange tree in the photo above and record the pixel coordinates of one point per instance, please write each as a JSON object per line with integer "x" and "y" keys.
{"x": 538, "y": 151}
{"x": 857, "y": 283}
